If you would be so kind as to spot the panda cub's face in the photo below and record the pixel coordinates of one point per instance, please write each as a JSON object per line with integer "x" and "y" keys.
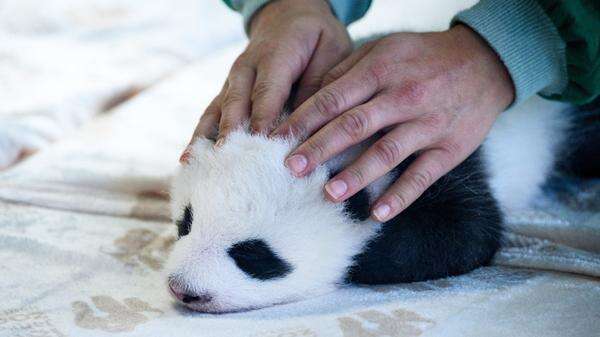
{"x": 252, "y": 235}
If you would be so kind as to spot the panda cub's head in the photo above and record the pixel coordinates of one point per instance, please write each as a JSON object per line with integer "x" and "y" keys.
{"x": 252, "y": 235}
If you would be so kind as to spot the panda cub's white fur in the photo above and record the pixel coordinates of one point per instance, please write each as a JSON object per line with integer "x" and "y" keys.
{"x": 242, "y": 191}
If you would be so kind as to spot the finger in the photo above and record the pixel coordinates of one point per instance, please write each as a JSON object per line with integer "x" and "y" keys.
{"x": 235, "y": 104}
{"x": 382, "y": 157}
{"x": 343, "y": 67}
{"x": 350, "y": 90}
{"x": 325, "y": 57}
{"x": 271, "y": 90}
{"x": 420, "y": 175}
{"x": 207, "y": 125}
{"x": 348, "y": 129}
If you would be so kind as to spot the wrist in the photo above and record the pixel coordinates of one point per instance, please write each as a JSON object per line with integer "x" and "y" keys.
{"x": 526, "y": 40}
{"x": 275, "y": 9}
{"x": 487, "y": 64}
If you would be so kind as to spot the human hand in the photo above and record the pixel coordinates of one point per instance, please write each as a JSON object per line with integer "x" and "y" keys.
{"x": 435, "y": 94}
{"x": 290, "y": 41}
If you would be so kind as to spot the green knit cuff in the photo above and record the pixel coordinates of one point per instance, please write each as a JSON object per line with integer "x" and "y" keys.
{"x": 348, "y": 11}
{"x": 526, "y": 41}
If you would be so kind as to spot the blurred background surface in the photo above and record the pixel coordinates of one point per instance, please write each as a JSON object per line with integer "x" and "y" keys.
{"x": 65, "y": 61}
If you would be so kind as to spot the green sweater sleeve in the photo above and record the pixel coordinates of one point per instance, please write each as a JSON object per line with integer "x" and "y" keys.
{"x": 347, "y": 11}
{"x": 578, "y": 23}
{"x": 526, "y": 41}
{"x": 550, "y": 47}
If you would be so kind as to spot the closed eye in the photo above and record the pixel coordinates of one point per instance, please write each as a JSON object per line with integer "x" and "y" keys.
{"x": 255, "y": 258}
{"x": 184, "y": 225}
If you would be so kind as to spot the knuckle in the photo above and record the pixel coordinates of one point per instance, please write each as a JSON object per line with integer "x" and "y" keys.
{"x": 239, "y": 63}
{"x": 262, "y": 89}
{"x": 232, "y": 98}
{"x": 421, "y": 180}
{"x": 357, "y": 175}
{"x": 452, "y": 149}
{"x": 387, "y": 151}
{"x": 398, "y": 200}
{"x": 316, "y": 149}
{"x": 435, "y": 121}
{"x": 355, "y": 125}
{"x": 328, "y": 102}
{"x": 378, "y": 73}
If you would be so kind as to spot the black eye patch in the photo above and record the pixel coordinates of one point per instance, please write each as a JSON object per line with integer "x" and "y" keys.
{"x": 255, "y": 258}
{"x": 184, "y": 225}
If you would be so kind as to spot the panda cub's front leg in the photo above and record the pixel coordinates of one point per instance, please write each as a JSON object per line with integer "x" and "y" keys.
{"x": 453, "y": 228}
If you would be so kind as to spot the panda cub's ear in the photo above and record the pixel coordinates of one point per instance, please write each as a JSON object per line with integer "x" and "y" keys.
{"x": 200, "y": 144}
{"x": 357, "y": 207}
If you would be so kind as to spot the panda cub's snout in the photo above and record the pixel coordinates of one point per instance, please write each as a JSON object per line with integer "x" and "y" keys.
{"x": 254, "y": 257}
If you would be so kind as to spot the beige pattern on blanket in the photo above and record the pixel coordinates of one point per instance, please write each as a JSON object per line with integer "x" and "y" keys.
{"x": 28, "y": 321}
{"x": 142, "y": 246}
{"x": 116, "y": 316}
{"x": 374, "y": 323}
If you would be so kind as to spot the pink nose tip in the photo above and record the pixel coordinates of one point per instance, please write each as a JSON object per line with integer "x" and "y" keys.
{"x": 175, "y": 292}
{"x": 188, "y": 297}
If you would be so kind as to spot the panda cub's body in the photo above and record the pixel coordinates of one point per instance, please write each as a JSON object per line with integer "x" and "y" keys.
{"x": 252, "y": 235}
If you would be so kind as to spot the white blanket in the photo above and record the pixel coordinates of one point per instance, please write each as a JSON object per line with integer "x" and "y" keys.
{"x": 63, "y": 61}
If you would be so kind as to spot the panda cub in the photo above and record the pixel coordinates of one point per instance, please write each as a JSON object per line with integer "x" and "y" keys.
{"x": 252, "y": 235}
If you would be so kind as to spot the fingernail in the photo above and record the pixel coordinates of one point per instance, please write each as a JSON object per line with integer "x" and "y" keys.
{"x": 382, "y": 211}
{"x": 336, "y": 188}
{"x": 219, "y": 142}
{"x": 185, "y": 156}
{"x": 297, "y": 163}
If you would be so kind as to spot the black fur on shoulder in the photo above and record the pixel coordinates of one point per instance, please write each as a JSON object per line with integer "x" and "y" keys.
{"x": 580, "y": 154}
{"x": 453, "y": 228}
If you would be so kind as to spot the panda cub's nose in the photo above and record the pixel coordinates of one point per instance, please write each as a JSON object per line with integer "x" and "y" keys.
{"x": 188, "y": 297}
